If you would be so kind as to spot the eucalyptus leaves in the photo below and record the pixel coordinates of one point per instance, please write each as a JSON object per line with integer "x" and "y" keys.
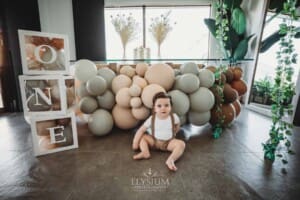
{"x": 284, "y": 88}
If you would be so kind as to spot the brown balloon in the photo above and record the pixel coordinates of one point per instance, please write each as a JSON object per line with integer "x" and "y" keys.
{"x": 240, "y": 86}
{"x": 237, "y": 106}
{"x": 227, "y": 110}
{"x": 230, "y": 94}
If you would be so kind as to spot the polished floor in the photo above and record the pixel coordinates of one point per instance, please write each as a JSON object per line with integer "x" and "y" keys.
{"x": 231, "y": 167}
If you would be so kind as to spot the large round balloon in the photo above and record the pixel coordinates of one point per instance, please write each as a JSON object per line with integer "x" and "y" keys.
{"x": 123, "y": 117}
{"x": 161, "y": 74}
{"x": 96, "y": 86}
{"x": 207, "y": 78}
{"x": 140, "y": 113}
{"x": 123, "y": 97}
{"x": 181, "y": 102}
{"x": 189, "y": 67}
{"x": 100, "y": 122}
{"x": 107, "y": 74}
{"x": 128, "y": 71}
{"x": 106, "y": 100}
{"x": 120, "y": 81}
{"x": 88, "y": 104}
{"x": 227, "y": 114}
{"x": 141, "y": 69}
{"x": 85, "y": 70}
{"x": 188, "y": 83}
{"x": 149, "y": 92}
{"x": 139, "y": 81}
{"x": 240, "y": 86}
{"x": 202, "y": 100}
{"x": 198, "y": 118}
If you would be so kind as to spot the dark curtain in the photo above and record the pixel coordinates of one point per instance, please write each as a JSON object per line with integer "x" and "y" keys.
{"x": 89, "y": 29}
{"x": 15, "y": 15}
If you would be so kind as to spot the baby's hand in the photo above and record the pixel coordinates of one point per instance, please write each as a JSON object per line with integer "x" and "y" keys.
{"x": 135, "y": 145}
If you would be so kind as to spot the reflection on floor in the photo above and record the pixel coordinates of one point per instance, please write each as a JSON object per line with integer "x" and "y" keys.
{"x": 231, "y": 167}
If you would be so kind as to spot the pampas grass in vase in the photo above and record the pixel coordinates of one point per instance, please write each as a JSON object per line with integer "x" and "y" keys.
{"x": 126, "y": 27}
{"x": 159, "y": 28}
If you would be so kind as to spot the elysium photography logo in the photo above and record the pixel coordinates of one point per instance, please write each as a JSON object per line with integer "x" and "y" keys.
{"x": 150, "y": 180}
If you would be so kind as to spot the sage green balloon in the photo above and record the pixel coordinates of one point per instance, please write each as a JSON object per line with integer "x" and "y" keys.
{"x": 100, "y": 122}
{"x": 106, "y": 100}
{"x": 189, "y": 83}
{"x": 189, "y": 67}
{"x": 107, "y": 74}
{"x": 81, "y": 91}
{"x": 207, "y": 78}
{"x": 88, "y": 104}
{"x": 202, "y": 100}
{"x": 181, "y": 102}
{"x": 199, "y": 118}
{"x": 96, "y": 86}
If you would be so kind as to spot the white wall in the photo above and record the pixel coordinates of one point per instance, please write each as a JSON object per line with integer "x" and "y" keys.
{"x": 56, "y": 16}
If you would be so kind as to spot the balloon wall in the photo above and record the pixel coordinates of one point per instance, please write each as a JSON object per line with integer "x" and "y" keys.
{"x": 124, "y": 97}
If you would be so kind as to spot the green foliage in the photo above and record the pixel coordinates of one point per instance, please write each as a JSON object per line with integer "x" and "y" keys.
{"x": 221, "y": 31}
{"x": 242, "y": 48}
{"x": 231, "y": 4}
{"x": 264, "y": 86}
{"x": 235, "y": 42}
{"x": 274, "y": 38}
{"x": 238, "y": 21}
{"x": 284, "y": 88}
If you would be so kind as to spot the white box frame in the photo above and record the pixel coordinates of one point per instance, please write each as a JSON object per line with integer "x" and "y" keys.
{"x": 35, "y": 138}
{"x": 65, "y": 52}
{"x": 62, "y": 91}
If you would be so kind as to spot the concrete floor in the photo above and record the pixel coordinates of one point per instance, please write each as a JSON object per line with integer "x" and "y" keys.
{"x": 231, "y": 167}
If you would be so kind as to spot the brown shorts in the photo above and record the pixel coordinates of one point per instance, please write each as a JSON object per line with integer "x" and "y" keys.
{"x": 161, "y": 144}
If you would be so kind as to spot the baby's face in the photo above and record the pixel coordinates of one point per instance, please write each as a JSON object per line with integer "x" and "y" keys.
{"x": 162, "y": 107}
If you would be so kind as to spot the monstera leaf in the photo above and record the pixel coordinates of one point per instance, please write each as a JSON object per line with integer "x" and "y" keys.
{"x": 238, "y": 21}
{"x": 211, "y": 25}
{"x": 273, "y": 38}
{"x": 242, "y": 48}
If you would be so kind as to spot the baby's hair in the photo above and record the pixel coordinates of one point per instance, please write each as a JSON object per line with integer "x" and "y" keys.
{"x": 161, "y": 95}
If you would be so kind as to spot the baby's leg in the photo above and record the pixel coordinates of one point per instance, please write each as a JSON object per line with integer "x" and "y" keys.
{"x": 145, "y": 142}
{"x": 177, "y": 148}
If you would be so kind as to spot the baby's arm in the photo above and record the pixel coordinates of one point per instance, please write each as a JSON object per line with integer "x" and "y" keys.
{"x": 177, "y": 128}
{"x": 138, "y": 136}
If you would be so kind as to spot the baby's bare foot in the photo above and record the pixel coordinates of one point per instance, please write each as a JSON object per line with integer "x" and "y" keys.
{"x": 141, "y": 155}
{"x": 171, "y": 165}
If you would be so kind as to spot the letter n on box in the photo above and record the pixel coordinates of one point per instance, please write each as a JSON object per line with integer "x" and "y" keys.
{"x": 43, "y": 95}
{"x": 51, "y": 134}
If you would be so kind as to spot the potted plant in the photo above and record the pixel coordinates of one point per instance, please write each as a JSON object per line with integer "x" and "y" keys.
{"x": 263, "y": 89}
{"x": 236, "y": 41}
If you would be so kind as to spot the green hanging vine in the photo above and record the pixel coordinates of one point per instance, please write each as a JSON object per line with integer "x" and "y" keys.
{"x": 284, "y": 88}
{"x": 222, "y": 27}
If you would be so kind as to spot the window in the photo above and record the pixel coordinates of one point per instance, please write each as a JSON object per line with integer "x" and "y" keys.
{"x": 188, "y": 39}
